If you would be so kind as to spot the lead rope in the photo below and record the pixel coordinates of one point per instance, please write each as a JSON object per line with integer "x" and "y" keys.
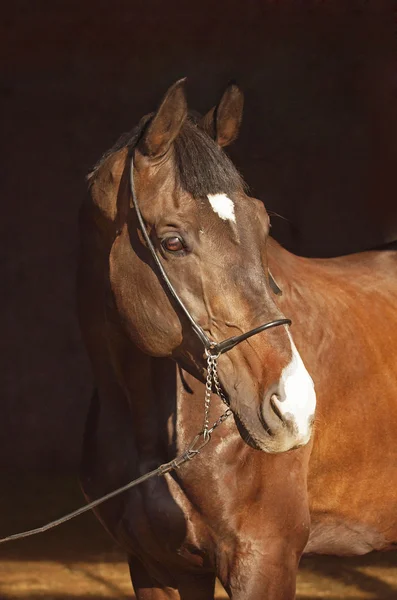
{"x": 191, "y": 451}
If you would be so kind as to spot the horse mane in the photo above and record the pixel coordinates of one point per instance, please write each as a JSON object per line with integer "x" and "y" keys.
{"x": 202, "y": 167}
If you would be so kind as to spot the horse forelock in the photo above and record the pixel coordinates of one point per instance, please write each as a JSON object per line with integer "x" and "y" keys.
{"x": 201, "y": 166}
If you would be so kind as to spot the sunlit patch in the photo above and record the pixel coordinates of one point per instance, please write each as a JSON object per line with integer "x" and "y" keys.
{"x": 223, "y": 206}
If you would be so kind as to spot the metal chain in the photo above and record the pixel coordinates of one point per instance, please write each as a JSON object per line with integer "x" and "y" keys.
{"x": 218, "y": 388}
{"x": 213, "y": 379}
{"x": 208, "y": 391}
{"x": 219, "y": 421}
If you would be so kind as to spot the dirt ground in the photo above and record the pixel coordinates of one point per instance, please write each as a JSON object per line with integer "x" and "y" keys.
{"x": 78, "y": 561}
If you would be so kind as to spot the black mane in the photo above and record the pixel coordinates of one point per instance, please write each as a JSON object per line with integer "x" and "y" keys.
{"x": 202, "y": 167}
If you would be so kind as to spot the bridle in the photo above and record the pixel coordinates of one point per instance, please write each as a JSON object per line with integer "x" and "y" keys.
{"x": 213, "y": 350}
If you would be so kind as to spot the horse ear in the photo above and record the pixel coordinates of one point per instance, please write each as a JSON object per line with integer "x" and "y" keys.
{"x": 166, "y": 123}
{"x": 223, "y": 121}
{"x": 273, "y": 285}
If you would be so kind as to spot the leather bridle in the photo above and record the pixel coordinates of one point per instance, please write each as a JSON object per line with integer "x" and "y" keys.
{"x": 211, "y": 347}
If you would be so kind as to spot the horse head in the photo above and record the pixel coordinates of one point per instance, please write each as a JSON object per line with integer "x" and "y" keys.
{"x": 209, "y": 236}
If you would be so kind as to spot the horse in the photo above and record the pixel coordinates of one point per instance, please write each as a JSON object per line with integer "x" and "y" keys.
{"x": 175, "y": 256}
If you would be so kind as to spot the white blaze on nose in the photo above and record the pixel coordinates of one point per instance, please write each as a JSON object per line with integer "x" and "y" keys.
{"x": 223, "y": 206}
{"x": 297, "y": 398}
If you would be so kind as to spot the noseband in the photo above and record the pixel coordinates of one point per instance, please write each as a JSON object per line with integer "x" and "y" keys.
{"x": 211, "y": 347}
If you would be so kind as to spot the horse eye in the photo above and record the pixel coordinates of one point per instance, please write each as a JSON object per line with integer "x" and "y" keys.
{"x": 173, "y": 244}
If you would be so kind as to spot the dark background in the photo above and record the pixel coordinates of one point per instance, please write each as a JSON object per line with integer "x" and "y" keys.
{"x": 318, "y": 145}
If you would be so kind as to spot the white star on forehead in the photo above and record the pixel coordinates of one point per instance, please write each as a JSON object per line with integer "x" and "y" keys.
{"x": 223, "y": 206}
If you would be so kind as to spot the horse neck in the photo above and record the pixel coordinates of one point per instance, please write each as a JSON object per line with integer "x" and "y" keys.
{"x": 302, "y": 283}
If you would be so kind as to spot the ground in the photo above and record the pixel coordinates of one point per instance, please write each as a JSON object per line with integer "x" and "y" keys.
{"x": 78, "y": 561}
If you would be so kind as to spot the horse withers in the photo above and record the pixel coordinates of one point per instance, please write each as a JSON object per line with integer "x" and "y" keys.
{"x": 168, "y": 212}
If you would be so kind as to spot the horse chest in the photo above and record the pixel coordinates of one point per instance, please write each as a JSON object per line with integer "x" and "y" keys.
{"x": 165, "y": 526}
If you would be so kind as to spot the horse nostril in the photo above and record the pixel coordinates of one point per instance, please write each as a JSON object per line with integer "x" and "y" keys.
{"x": 270, "y": 414}
{"x": 284, "y": 416}
{"x": 274, "y": 399}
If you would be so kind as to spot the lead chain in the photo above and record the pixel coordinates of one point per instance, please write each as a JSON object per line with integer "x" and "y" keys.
{"x": 208, "y": 391}
{"x": 219, "y": 421}
{"x": 218, "y": 388}
{"x": 212, "y": 378}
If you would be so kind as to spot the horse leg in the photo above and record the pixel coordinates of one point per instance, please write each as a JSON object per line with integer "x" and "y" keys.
{"x": 179, "y": 587}
{"x": 148, "y": 588}
{"x": 262, "y": 560}
{"x": 267, "y": 575}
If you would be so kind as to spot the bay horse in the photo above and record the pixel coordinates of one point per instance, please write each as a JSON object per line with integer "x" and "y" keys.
{"x": 275, "y": 481}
